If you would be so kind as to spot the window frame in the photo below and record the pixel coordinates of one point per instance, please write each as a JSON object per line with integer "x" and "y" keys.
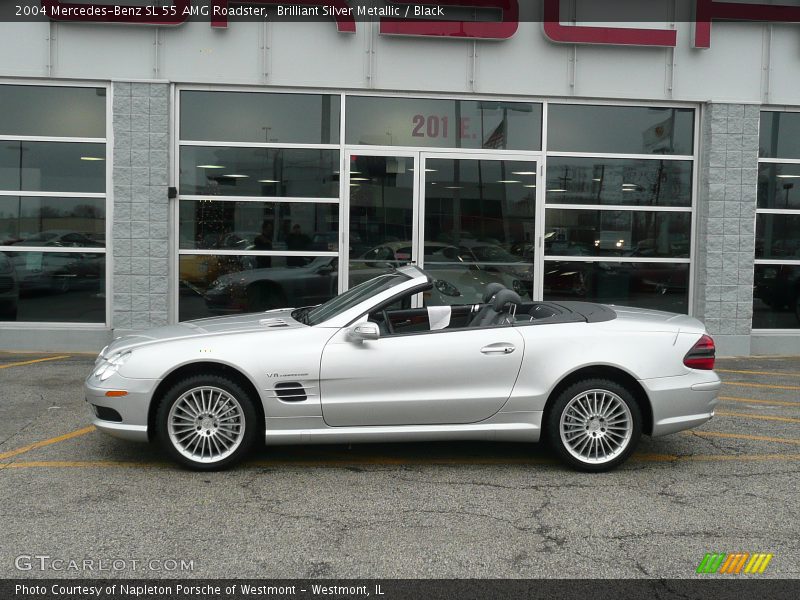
{"x": 177, "y": 144}
{"x": 773, "y": 211}
{"x": 107, "y": 250}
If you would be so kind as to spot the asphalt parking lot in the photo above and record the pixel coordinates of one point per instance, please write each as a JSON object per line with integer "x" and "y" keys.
{"x": 442, "y": 510}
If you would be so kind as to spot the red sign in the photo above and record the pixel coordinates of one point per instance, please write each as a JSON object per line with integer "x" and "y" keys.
{"x": 344, "y": 16}
{"x": 476, "y": 30}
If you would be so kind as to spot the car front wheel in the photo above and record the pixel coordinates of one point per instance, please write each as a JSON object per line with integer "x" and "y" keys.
{"x": 594, "y": 425}
{"x": 207, "y": 423}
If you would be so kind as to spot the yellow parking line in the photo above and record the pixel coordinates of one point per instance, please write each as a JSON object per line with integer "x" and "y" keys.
{"x": 741, "y": 436}
{"x": 762, "y": 385}
{"x": 761, "y": 417}
{"x": 755, "y": 401}
{"x": 776, "y": 373}
{"x": 47, "y": 442}
{"x": 30, "y": 362}
{"x": 712, "y": 457}
{"x": 73, "y": 464}
{"x": 60, "y": 464}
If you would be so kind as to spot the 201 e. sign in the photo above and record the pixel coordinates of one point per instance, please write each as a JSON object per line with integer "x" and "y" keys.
{"x": 435, "y": 126}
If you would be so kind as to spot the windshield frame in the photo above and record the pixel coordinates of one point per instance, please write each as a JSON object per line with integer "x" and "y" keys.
{"x": 352, "y": 298}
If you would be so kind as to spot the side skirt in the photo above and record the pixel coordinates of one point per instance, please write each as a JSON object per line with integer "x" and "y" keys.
{"x": 508, "y": 427}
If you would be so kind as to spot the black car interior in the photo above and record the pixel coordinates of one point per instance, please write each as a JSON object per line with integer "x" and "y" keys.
{"x": 501, "y": 307}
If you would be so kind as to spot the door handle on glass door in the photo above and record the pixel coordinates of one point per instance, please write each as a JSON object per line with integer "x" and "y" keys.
{"x": 499, "y": 348}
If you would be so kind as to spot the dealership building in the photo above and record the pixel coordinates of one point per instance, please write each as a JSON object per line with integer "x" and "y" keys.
{"x": 157, "y": 169}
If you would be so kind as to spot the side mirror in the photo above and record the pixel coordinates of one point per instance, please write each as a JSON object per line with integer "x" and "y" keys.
{"x": 365, "y": 331}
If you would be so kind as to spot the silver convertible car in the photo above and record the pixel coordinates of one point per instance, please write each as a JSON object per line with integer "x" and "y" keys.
{"x": 368, "y": 366}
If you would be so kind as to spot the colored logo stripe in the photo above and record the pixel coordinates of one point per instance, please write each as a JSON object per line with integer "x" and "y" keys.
{"x": 758, "y": 563}
{"x": 732, "y": 564}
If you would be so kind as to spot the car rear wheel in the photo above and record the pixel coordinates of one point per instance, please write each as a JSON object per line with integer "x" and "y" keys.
{"x": 594, "y": 425}
{"x": 207, "y": 423}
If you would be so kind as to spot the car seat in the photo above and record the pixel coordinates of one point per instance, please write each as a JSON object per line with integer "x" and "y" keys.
{"x": 486, "y": 309}
{"x": 501, "y": 310}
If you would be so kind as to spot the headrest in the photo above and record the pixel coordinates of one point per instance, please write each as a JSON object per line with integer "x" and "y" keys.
{"x": 491, "y": 290}
{"x": 504, "y": 297}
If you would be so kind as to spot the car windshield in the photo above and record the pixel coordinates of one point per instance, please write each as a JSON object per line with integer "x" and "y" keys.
{"x": 348, "y": 299}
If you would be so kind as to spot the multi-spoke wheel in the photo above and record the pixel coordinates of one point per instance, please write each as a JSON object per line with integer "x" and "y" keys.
{"x": 207, "y": 422}
{"x": 594, "y": 424}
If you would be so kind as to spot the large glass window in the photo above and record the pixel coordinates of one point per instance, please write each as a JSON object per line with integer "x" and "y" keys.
{"x": 776, "y": 289}
{"x": 53, "y": 204}
{"x": 218, "y": 171}
{"x": 53, "y": 111}
{"x": 620, "y": 129}
{"x": 628, "y": 182}
{"x": 632, "y": 212}
{"x": 257, "y": 117}
{"x": 480, "y": 226}
{"x": 435, "y": 123}
{"x": 259, "y": 224}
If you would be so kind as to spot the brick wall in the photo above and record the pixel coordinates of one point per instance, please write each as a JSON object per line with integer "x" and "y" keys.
{"x": 140, "y": 229}
{"x": 726, "y": 224}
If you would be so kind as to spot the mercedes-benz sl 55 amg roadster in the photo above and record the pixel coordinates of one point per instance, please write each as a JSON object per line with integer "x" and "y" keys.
{"x": 371, "y": 366}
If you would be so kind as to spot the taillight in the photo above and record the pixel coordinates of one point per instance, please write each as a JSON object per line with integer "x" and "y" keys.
{"x": 701, "y": 356}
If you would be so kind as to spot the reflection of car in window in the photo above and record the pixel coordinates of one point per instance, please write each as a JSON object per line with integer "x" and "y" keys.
{"x": 9, "y": 290}
{"x": 778, "y": 286}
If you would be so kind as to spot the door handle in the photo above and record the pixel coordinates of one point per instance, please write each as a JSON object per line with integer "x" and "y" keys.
{"x": 499, "y": 348}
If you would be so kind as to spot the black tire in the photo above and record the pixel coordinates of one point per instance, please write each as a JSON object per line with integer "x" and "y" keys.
{"x": 617, "y": 445}
{"x": 244, "y": 420}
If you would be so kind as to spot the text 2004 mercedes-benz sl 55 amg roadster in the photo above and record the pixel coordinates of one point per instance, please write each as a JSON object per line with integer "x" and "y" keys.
{"x": 368, "y": 367}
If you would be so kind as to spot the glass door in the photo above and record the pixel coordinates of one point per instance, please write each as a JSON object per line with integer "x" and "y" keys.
{"x": 380, "y": 214}
{"x": 478, "y": 225}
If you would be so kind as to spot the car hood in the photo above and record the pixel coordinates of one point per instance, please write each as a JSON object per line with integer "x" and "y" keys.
{"x": 273, "y": 320}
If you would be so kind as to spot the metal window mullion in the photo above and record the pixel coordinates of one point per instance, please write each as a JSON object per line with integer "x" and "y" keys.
{"x": 275, "y": 145}
{"x": 618, "y": 259}
{"x": 773, "y": 261}
{"x": 778, "y": 211}
{"x": 54, "y": 249}
{"x": 463, "y": 153}
{"x": 221, "y": 252}
{"x": 270, "y": 199}
{"x": 611, "y": 155}
{"x": 617, "y": 207}
{"x": 46, "y": 138}
{"x": 42, "y": 194}
{"x": 777, "y": 161}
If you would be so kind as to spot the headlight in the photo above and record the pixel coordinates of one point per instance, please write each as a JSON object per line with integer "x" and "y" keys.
{"x": 107, "y": 368}
{"x": 446, "y": 288}
{"x": 220, "y": 285}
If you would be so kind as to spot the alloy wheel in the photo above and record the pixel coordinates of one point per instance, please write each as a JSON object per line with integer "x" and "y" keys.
{"x": 206, "y": 424}
{"x": 596, "y": 426}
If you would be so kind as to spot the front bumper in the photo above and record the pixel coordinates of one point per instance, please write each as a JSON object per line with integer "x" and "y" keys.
{"x": 682, "y": 402}
{"x": 132, "y": 409}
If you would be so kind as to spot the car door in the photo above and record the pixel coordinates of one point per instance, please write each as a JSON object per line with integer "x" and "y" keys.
{"x": 436, "y": 377}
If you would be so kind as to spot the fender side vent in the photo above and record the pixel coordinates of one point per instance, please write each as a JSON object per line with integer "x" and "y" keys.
{"x": 290, "y": 391}
{"x": 273, "y": 323}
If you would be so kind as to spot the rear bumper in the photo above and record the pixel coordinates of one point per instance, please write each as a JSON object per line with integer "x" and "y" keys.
{"x": 132, "y": 408}
{"x": 682, "y": 402}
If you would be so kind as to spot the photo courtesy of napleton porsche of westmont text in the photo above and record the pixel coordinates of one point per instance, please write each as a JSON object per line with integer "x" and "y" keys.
{"x": 399, "y": 299}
